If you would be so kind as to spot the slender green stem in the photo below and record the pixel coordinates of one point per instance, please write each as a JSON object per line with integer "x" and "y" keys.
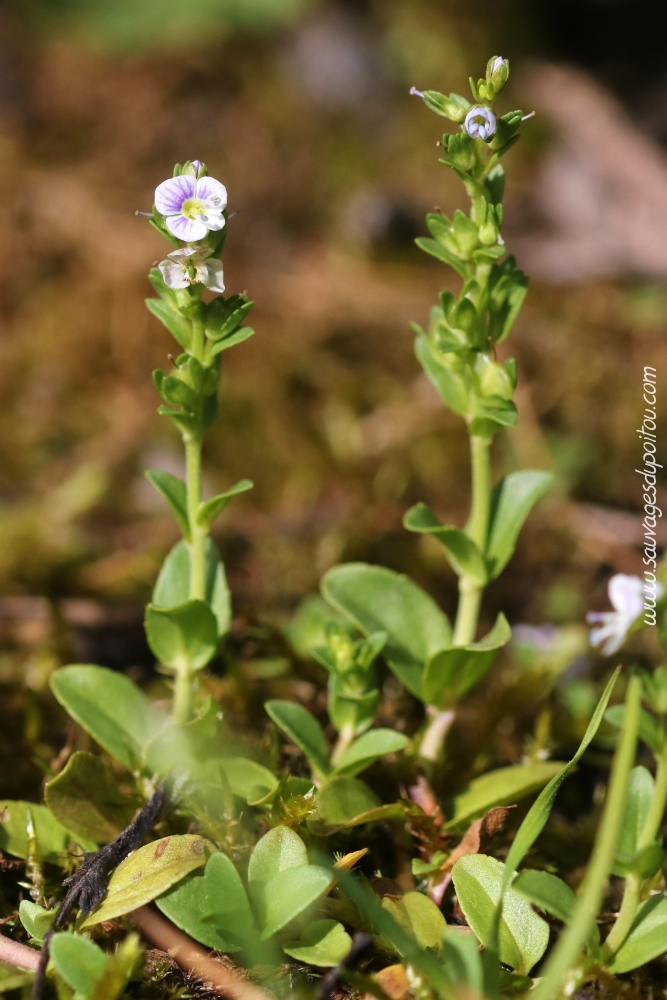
{"x": 565, "y": 955}
{"x": 183, "y": 690}
{"x": 470, "y": 593}
{"x": 633, "y": 883}
{"x": 345, "y": 738}
{"x": 193, "y": 477}
{"x": 436, "y": 731}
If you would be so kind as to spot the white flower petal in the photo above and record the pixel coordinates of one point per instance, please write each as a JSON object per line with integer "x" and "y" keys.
{"x": 213, "y": 220}
{"x": 190, "y": 255}
{"x": 170, "y": 195}
{"x": 174, "y": 275}
{"x": 186, "y": 229}
{"x": 626, "y": 594}
{"x": 212, "y": 193}
{"x": 214, "y": 279}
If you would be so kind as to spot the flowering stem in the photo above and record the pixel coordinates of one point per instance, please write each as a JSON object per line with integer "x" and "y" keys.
{"x": 470, "y": 592}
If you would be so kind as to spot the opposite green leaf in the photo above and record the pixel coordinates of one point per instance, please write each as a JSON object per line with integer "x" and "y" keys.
{"x": 547, "y": 892}
{"x": 323, "y": 943}
{"x": 452, "y": 672}
{"x": 303, "y": 729}
{"x": 376, "y": 599}
{"x": 647, "y": 938}
{"x": 209, "y": 510}
{"x": 174, "y": 491}
{"x": 462, "y": 554}
{"x": 51, "y": 836}
{"x": 173, "y": 583}
{"x": 288, "y": 894}
{"x": 499, "y": 788}
{"x": 247, "y": 779}
{"x": 149, "y": 872}
{"x": 184, "y": 637}
{"x": 511, "y": 502}
{"x": 178, "y": 327}
{"x": 523, "y": 935}
{"x": 213, "y": 907}
{"x": 368, "y": 748}
{"x": 79, "y": 961}
{"x": 86, "y": 799}
{"x": 113, "y": 710}
{"x": 281, "y": 849}
{"x": 35, "y": 919}
{"x": 637, "y": 806}
{"x": 419, "y": 917}
{"x": 345, "y": 801}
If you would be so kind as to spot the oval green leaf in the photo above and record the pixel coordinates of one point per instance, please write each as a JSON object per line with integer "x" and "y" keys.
{"x": 79, "y": 961}
{"x": 502, "y": 787}
{"x": 523, "y": 934}
{"x": 368, "y": 748}
{"x": 113, "y": 710}
{"x": 213, "y": 907}
{"x": 419, "y": 917}
{"x": 289, "y": 893}
{"x": 51, "y": 836}
{"x": 376, "y": 599}
{"x": 647, "y": 938}
{"x": 149, "y": 872}
{"x": 303, "y": 729}
{"x": 324, "y": 944}
{"x": 86, "y": 799}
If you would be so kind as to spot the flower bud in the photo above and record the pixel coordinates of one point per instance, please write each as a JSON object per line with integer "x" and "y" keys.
{"x": 195, "y": 168}
{"x": 453, "y": 107}
{"x": 497, "y": 72}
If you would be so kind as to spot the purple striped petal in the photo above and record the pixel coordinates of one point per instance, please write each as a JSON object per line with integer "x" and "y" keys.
{"x": 188, "y": 230}
{"x": 170, "y": 195}
{"x": 212, "y": 193}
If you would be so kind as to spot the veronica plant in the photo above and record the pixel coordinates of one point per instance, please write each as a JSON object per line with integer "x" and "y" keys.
{"x": 190, "y": 612}
{"x": 458, "y": 351}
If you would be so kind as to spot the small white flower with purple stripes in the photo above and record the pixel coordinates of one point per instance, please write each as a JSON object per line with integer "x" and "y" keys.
{"x": 191, "y": 205}
{"x": 190, "y": 266}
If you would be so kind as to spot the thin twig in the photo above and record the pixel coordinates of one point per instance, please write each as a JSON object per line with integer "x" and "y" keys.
{"x": 17, "y": 954}
{"x": 189, "y": 955}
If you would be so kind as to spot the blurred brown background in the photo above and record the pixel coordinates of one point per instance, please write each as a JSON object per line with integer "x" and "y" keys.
{"x": 302, "y": 109}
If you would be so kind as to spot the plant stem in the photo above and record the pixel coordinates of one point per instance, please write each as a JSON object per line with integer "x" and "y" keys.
{"x": 431, "y": 744}
{"x": 470, "y": 593}
{"x": 345, "y": 738}
{"x": 633, "y": 883}
{"x": 193, "y": 477}
{"x": 572, "y": 940}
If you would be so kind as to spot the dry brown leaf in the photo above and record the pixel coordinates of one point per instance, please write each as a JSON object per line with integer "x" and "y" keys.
{"x": 394, "y": 981}
{"x": 478, "y": 835}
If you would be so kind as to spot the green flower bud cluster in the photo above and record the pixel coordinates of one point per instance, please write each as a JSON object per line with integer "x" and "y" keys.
{"x": 457, "y": 350}
{"x": 353, "y": 694}
{"x": 204, "y": 331}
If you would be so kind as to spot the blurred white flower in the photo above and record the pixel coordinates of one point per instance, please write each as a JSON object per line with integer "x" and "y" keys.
{"x": 191, "y": 265}
{"x": 626, "y": 594}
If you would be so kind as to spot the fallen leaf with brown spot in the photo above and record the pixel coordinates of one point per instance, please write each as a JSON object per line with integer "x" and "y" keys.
{"x": 478, "y": 835}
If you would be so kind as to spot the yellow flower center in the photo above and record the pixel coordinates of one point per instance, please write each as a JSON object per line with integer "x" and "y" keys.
{"x": 193, "y": 207}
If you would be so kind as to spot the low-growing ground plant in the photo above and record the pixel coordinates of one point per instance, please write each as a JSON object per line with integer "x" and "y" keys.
{"x": 268, "y": 848}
